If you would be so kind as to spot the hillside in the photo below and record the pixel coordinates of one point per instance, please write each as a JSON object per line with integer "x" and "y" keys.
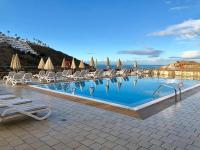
{"x": 56, "y": 56}
{"x": 28, "y": 59}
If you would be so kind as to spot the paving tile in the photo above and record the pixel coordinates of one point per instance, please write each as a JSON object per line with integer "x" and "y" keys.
{"x": 82, "y": 147}
{"x": 100, "y": 140}
{"x": 7, "y": 147}
{"x": 119, "y": 147}
{"x": 132, "y": 146}
{"x": 73, "y": 144}
{"x": 24, "y": 147}
{"x": 45, "y": 147}
{"x": 109, "y": 144}
{"x": 192, "y": 147}
{"x": 87, "y": 142}
{"x": 61, "y": 146}
{"x": 95, "y": 146}
{"x": 49, "y": 140}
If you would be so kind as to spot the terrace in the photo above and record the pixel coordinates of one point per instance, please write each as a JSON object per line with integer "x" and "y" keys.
{"x": 77, "y": 126}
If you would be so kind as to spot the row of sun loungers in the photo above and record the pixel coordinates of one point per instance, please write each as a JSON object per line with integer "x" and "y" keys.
{"x": 12, "y": 107}
{"x": 78, "y": 75}
{"x": 19, "y": 77}
{"x": 49, "y": 76}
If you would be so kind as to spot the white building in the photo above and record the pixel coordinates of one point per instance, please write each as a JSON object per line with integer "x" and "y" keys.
{"x": 17, "y": 44}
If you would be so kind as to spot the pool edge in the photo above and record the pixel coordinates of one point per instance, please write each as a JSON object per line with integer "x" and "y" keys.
{"x": 89, "y": 101}
{"x": 140, "y": 112}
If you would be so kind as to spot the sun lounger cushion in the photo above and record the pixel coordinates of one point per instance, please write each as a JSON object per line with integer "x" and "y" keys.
{"x": 29, "y": 107}
{"x": 7, "y": 96}
{"x": 15, "y": 101}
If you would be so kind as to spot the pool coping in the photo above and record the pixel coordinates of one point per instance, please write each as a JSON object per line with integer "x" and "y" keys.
{"x": 142, "y": 106}
{"x": 131, "y": 111}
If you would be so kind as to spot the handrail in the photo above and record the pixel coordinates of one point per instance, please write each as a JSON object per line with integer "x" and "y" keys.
{"x": 170, "y": 86}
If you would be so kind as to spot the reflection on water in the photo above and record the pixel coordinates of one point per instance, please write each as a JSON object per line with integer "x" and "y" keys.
{"x": 91, "y": 85}
{"x": 128, "y": 91}
{"x": 91, "y": 91}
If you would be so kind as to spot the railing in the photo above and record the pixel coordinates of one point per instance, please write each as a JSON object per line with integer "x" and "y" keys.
{"x": 172, "y": 87}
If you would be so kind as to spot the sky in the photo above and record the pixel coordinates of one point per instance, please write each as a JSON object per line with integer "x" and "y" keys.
{"x": 149, "y": 31}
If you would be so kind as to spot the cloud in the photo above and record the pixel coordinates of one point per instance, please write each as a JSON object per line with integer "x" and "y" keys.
{"x": 191, "y": 54}
{"x": 150, "y": 61}
{"x": 151, "y": 52}
{"x": 188, "y": 55}
{"x": 174, "y": 57}
{"x": 189, "y": 29}
{"x": 179, "y": 8}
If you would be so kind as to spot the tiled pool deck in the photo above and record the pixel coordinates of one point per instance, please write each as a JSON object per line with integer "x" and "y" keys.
{"x": 77, "y": 126}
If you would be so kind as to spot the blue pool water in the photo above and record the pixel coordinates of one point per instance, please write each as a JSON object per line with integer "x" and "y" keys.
{"x": 129, "y": 91}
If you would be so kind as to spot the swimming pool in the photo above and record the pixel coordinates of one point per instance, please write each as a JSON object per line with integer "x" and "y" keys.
{"x": 126, "y": 92}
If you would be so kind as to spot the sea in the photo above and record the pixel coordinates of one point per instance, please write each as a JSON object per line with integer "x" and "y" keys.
{"x": 131, "y": 66}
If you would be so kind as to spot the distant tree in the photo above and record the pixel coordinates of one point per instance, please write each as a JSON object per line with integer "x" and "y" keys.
{"x": 39, "y": 42}
{"x": 15, "y": 35}
{"x": 17, "y": 38}
{"x": 8, "y": 32}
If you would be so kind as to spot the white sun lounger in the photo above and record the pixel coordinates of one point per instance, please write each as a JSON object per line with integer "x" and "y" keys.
{"x": 110, "y": 73}
{"x": 122, "y": 72}
{"x": 11, "y": 111}
{"x": 98, "y": 74}
{"x": 74, "y": 75}
{"x": 92, "y": 74}
{"x": 17, "y": 78}
{"x": 27, "y": 78}
{"x": 7, "y": 96}
{"x": 50, "y": 77}
{"x": 14, "y": 101}
{"x": 59, "y": 76}
{"x": 66, "y": 74}
{"x": 81, "y": 75}
{"x": 10, "y": 75}
{"x": 40, "y": 74}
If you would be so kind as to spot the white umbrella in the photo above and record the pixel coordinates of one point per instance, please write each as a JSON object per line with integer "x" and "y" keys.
{"x": 41, "y": 64}
{"x": 107, "y": 63}
{"x": 92, "y": 64}
{"x": 81, "y": 65}
{"x": 16, "y": 63}
{"x": 63, "y": 65}
{"x": 119, "y": 64}
{"x": 73, "y": 65}
{"x": 12, "y": 60}
{"x": 48, "y": 65}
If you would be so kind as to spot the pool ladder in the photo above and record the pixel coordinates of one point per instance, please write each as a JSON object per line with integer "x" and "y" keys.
{"x": 172, "y": 87}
